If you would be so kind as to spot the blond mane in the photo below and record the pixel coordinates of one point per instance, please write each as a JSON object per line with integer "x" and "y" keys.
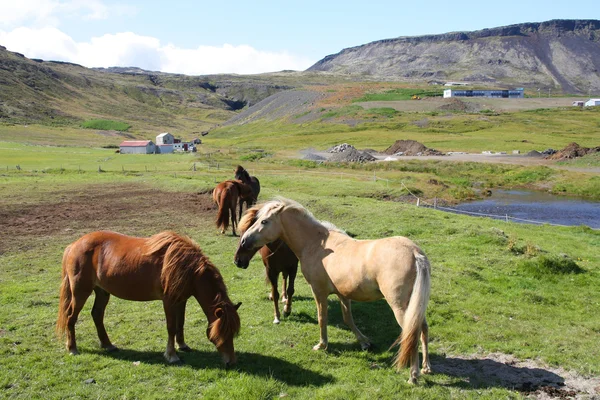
{"x": 254, "y": 213}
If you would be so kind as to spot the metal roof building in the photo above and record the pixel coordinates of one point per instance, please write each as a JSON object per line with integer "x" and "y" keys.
{"x": 137, "y": 147}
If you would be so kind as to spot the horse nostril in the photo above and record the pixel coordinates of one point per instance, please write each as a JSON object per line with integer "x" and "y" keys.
{"x": 243, "y": 243}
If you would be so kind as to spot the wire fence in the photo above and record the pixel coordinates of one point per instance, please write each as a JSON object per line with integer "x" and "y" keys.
{"x": 226, "y": 168}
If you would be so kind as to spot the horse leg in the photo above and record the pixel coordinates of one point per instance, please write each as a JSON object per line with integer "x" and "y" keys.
{"x": 179, "y": 337}
{"x": 425, "y": 367}
{"x": 233, "y": 217}
{"x": 100, "y": 302}
{"x": 321, "y": 299}
{"x": 284, "y": 279}
{"x": 79, "y": 297}
{"x": 365, "y": 344}
{"x": 273, "y": 276}
{"x": 171, "y": 315}
{"x": 287, "y": 309}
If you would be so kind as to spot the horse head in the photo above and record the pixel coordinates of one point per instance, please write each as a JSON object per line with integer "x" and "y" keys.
{"x": 224, "y": 325}
{"x": 259, "y": 226}
{"x": 242, "y": 174}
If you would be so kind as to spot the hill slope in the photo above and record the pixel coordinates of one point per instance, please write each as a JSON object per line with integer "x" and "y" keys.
{"x": 560, "y": 54}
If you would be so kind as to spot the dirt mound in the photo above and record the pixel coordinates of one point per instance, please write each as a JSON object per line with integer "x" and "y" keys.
{"x": 313, "y": 157}
{"x": 573, "y": 150}
{"x": 411, "y": 148}
{"x": 352, "y": 155}
{"x": 534, "y": 153}
{"x": 455, "y": 104}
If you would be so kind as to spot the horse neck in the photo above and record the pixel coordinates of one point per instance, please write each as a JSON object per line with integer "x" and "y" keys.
{"x": 209, "y": 291}
{"x": 302, "y": 233}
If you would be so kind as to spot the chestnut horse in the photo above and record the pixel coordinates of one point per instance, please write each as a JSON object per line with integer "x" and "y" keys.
{"x": 166, "y": 267}
{"x": 227, "y": 195}
{"x": 244, "y": 176}
{"x": 393, "y": 268}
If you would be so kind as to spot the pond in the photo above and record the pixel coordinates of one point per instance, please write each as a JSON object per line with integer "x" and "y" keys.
{"x": 535, "y": 207}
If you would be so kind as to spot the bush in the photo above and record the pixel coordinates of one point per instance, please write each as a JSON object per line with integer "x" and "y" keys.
{"x": 105, "y": 125}
{"x": 544, "y": 266}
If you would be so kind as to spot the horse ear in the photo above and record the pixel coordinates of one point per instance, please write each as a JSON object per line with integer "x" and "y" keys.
{"x": 219, "y": 312}
{"x": 238, "y": 305}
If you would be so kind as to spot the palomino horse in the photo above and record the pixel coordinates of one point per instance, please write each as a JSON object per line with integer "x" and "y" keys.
{"x": 244, "y": 176}
{"x": 364, "y": 270}
{"x": 227, "y": 195}
{"x": 278, "y": 258}
{"x": 166, "y": 267}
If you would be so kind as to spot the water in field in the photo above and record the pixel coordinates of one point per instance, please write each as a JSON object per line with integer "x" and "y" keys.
{"x": 536, "y": 207}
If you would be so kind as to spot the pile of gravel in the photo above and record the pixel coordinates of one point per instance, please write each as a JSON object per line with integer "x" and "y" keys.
{"x": 411, "y": 148}
{"x": 340, "y": 148}
{"x": 352, "y": 155}
{"x": 313, "y": 157}
{"x": 534, "y": 153}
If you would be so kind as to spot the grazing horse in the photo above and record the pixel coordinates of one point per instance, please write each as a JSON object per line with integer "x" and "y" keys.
{"x": 244, "y": 176}
{"x": 393, "y": 268}
{"x": 227, "y": 195}
{"x": 166, "y": 267}
{"x": 278, "y": 258}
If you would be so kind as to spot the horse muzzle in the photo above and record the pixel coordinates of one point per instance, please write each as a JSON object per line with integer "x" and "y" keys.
{"x": 243, "y": 264}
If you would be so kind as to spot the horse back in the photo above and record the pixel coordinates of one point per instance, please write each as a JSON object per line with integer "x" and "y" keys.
{"x": 117, "y": 263}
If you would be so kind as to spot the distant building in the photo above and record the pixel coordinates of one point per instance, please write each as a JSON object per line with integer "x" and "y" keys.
{"x": 578, "y": 103}
{"x": 502, "y": 94}
{"x": 456, "y": 84}
{"x": 137, "y": 147}
{"x": 165, "y": 138}
{"x": 592, "y": 103}
{"x": 164, "y": 148}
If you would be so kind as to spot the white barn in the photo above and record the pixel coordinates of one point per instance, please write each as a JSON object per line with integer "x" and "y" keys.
{"x": 592, "y": 103}
{"x": 137, "y": 147}
{"x": 165, "y": 138}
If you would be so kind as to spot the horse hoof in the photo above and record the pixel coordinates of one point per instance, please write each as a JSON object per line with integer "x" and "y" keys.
{"x": 73, "y": 352}
{"x": 111, "y": 349}
{"x": 172, "y": 359}
{"x": 185, "y": 348}
{"x": 320, "y": 346}
{"x": 426, "y": 370}
{"x": 276, "y": 321}
{"x": 366, "y": 346}
{"x": 287, "y": 313}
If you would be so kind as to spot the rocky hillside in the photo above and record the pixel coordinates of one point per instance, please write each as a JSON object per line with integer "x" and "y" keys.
{"x": 61, "y": 93}
{"x": 559, "y": 54}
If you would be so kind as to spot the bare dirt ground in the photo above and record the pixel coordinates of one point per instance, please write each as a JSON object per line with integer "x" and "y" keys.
{"x": 498, "y": 105}
{"x": 114, "y": 207}
{"x": 119, "y": 208}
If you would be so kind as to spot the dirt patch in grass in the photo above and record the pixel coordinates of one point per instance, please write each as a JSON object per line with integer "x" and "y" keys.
{"x": 529, "y": 377}
{"x": 129, "y": 209}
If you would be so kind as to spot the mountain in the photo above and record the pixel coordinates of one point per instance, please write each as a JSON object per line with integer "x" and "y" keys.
{"x": 60, "y": 93}
{"x": 560, "y": 54}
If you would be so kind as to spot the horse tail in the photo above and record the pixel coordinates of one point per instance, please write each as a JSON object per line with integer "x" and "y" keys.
{"x": 64, "y": 303}
{"x": 415, "y": 313}
{"x": 223, "y": 213}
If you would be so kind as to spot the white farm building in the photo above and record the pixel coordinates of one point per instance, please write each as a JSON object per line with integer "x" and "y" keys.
{"x": 497, "y": 93}
{"x": 137, "y": 147}
{"x": 165, "y": 138}
{"x": 592, "y": 103}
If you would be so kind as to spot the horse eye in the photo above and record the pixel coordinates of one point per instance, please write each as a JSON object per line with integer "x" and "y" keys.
{"x": 264, "y": 222}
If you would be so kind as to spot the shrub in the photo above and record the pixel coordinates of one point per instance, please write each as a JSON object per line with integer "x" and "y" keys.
{"x": 105, "y": 125}
{"x": 545, "y": 265}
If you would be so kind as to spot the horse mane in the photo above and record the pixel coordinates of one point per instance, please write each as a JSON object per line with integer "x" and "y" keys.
{"x": 183, "y": 260}
{"x": 241, "y": 173}
{"x": 254, "y": 213}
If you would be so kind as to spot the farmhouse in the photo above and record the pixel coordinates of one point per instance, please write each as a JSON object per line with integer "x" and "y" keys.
{"x": 165, "y": 138}
{"x": 137, "y": 147}
{"x": 495, "y": 93}
{"x": 592, "y": 103}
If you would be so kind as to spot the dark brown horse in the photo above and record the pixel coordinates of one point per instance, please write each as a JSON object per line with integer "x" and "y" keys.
{"x": 278, "y": 258}
{"x": 244, "y": 176}
{"x": 228, "y": 195}
{"x": 166, "y": 267}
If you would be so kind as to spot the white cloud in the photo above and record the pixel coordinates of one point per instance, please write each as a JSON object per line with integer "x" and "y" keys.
{"x": 131, "y": 50}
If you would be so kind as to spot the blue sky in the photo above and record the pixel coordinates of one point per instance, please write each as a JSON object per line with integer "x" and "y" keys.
{"x": 201, "y": 37}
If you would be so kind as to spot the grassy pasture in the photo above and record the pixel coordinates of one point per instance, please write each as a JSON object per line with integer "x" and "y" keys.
{"x": 483, "y": 299}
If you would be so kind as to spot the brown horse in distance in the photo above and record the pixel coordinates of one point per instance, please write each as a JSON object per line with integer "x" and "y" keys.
{"x": 278, "y": 258}
{"x": 166, "y": 267}
{"x": 227, "y": 195}
{"x": 252, "y": 181}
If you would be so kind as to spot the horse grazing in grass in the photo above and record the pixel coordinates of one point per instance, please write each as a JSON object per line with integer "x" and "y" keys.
{"x": 244, "y": 176}
{"x": 166, "y": 267}
{"x": 228, "y": 195}
{"x": 363, "y": 270}
{"x": 278, "y": 258}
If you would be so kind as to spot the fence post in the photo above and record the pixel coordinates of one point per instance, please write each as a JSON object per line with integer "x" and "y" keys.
{"x": 506, "y": 216}
{"x": 418, "y": 201}
{"x": 435, "y": 202}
